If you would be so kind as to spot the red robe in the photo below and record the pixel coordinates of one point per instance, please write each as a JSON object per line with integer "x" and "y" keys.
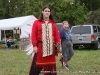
{"x": 48, "y": 62}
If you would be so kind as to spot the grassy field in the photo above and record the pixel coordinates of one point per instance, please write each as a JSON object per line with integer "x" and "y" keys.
{"x": 84, "y": 62}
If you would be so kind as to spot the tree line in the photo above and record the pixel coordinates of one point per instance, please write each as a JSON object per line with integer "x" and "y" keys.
{"x": 75, "y": 11}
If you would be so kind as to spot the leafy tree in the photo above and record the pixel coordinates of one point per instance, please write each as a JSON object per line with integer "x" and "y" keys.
{"x": 33, "y": 7}
{"x": 91, "y": 5}
{"x": 94, "y": 17}
{"x": 3, "y": 9}
{"x": 79, "y": 14}
{"x": 16, "y": 8}
{"x": 11, "y": 8}
{"x": 71, "y": 10}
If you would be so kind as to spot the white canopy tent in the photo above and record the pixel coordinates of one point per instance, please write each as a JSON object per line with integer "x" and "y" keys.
{"x": 24, "y": 23}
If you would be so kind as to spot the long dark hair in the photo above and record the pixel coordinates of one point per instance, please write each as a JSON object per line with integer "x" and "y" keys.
{"x": 41, "y": 15}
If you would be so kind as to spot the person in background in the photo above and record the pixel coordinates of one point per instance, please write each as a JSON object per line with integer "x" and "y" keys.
{"x": 10, "y": 37}
{"x": 67, "y": 46}
{"x": 9, "y": 41}
{"x": 44, "y": 37}
{"x": 4, "y": 39}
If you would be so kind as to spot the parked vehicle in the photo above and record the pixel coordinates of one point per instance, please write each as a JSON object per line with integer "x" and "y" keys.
{"x": 59, "y": 25}
{"x": 86, "y": 35}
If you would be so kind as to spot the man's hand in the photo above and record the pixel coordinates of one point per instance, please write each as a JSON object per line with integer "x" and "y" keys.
{"x": 35, "y": 49}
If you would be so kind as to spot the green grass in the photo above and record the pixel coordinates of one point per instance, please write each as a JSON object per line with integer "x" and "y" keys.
{"x": 84, "y": 62}
{"x": 14, "y": 62}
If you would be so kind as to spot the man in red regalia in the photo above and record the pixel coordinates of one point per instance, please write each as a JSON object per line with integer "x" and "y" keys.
{"x": 44, "y": 38}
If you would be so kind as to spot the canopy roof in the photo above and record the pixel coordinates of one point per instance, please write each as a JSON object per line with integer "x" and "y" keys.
{"x": 24, "y": 23}
{"x": 16, "y": 22}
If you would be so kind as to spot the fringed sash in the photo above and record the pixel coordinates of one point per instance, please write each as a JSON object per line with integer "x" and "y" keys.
{"x": 47, "y": 40}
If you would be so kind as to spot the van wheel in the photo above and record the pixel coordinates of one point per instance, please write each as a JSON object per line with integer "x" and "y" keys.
{"x": 75, "y": 47}
{"x": 97, "y": 45}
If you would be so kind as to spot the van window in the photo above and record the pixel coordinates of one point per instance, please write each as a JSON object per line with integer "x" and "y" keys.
{"x": 81, "y": 30}
{"x": 94, "y": 29}
{"x": 59, "y": 25}
{"x": 98, "y": 28}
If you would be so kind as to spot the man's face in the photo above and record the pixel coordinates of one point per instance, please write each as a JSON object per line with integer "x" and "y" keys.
{"x": 46, "y": 13}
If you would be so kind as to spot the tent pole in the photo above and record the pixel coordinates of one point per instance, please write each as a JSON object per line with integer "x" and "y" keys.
{"x": 6, "y": 47}
{"x": 0, "y": 35}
